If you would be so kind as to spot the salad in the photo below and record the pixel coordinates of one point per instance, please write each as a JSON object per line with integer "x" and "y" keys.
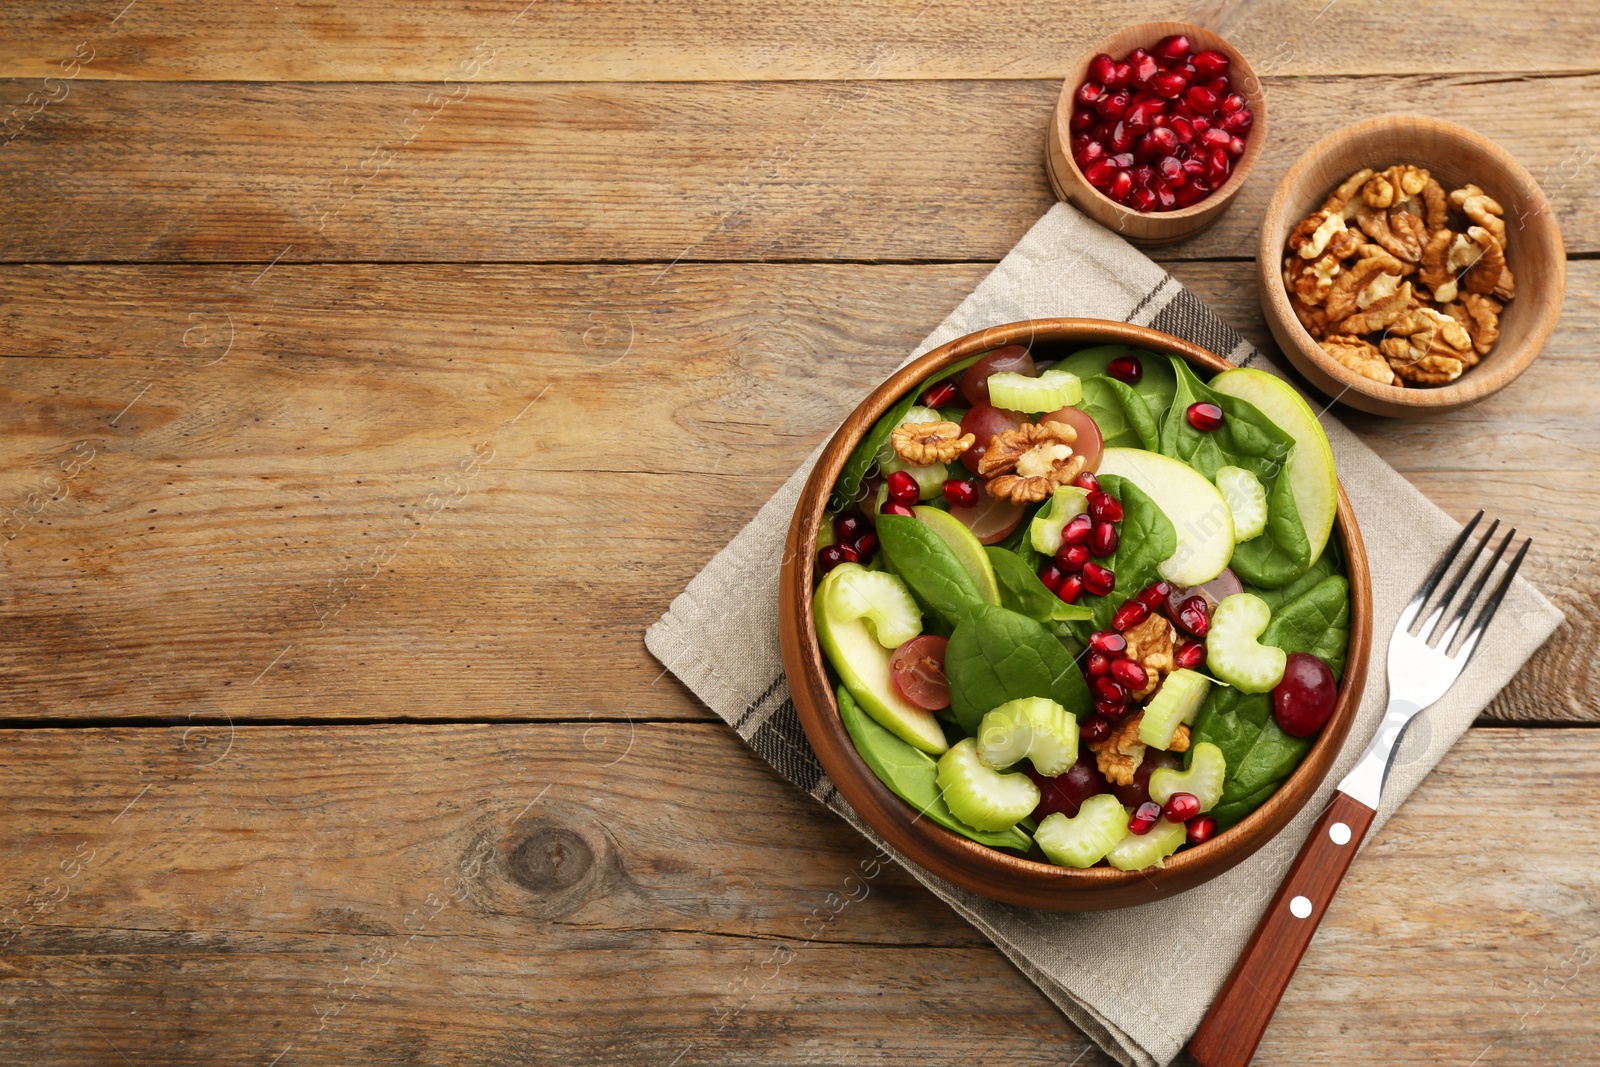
{"x": 1086, "y": 610}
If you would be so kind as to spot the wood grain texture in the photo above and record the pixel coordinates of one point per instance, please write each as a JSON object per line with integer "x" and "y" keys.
{"x": 562, "y": 40}
{"x": 749, "y": 171}
{"x": 234, "y": 504}
{"x": 493, "y": 895}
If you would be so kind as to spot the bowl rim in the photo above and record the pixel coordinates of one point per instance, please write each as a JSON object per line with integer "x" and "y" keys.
{"x": 1255, "y": 98}
{"x": 978, "y": 868}
{"x": 1478, "y": 382}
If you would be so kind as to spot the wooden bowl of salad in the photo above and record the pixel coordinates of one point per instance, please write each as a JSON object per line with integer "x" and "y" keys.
{"x": 1075, "y": 613}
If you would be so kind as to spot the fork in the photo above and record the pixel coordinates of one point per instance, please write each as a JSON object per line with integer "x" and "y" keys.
{"x": 1420, "y": 672}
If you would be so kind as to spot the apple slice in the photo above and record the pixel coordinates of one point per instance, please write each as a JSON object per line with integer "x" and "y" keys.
{"x": 968, "y": 549}
{"x": 863, "y": 666}
{"x": 1199, "y": 515}
{"x": 1311, "y": 471}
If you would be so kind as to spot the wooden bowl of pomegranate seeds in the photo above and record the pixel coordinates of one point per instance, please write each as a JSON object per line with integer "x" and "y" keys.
{"x": 1455, "y": 157}
{"x": 1156, "y": 129}
{"x": 959, "y": 860}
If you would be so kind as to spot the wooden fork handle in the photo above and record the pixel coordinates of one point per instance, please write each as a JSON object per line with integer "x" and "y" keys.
{"x": 1239, "y": 1016}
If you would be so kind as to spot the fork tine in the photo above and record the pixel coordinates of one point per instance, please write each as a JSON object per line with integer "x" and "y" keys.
{"x": 1432, "y": 581}
{"x": 1471, "y": 643}
{"x": 1455, "y": 586}
{"x": 1477, "y": 587}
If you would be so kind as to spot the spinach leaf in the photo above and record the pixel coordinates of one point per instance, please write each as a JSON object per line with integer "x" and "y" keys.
{"x": 1145, "y": 538}
{"x": 1259, "y": 754}
{"x": 1249, "y": 439}
{"x": 928, "y": 566}
{"x": 910, "y": 775}
{"x": 996, "y": 655}
{"x": 1327, "y": 564}
{"x": 1124, "y": 419}
{"x": 1021, "y": 590}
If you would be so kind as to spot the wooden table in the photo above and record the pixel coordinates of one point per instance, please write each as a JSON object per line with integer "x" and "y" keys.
{"x": 375, "y": 373}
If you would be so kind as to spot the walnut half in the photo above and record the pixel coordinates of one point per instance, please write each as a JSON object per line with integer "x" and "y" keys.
{"x": 1026, "y": 465}
{"x": 923, "y": 444}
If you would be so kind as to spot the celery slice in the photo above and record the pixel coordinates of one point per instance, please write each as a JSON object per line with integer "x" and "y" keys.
{"x": 1033, "y": 727}
{"x": 1175, "y": 703}
{"x": 980, "y": 796}
{"x": 1065, "y": 503}
{"x": 1138, "y": 851}
{"x": 1234, "y": 652}
{"x": 1204, "y": 778}
{"x": 1049, "y": 391}
{"x": 882, "y": 599}
{"x": 1083, "y": 840}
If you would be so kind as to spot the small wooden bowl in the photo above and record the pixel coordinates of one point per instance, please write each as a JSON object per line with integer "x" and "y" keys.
{"x": 965, "y": 863}
{"x": 1455, "y": 156}
{"x": 1155, "y": 227}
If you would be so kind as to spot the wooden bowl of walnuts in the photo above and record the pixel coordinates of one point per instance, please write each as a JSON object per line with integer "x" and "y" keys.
{"x": 1410, "y": 265}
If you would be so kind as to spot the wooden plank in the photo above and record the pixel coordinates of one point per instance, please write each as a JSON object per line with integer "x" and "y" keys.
{"x": 481, "y": 895}
{"x": 648, "y": 172}
{"x": 365, "y": 40}
{"x": 213, "y": 553}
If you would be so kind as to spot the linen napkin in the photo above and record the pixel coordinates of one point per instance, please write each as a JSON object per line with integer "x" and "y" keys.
{"x": 1138, "y": 980}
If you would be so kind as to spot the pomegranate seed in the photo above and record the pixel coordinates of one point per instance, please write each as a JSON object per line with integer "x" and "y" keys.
{"x": 1154, "y": 596}
{"x": 1122, "y": 160}
{"x": 1193, "y": 191}
{"x": 866, "y": 545}
{"x": 1155, "y": 144}
{"x": 1239, "y": 121}
{"x": 1110, "y": 710}
{"x": 1095, "y": 728}
{"x": 1201, "y": 97}
{"x": 1103, "y": 539}
{"x": 1190, "y": 657}
{"x": 1169, "y": 83}
{"x": 1192, "y": 616}
{"x": 1204, "y": 416}
{"x": 1071, "y": 589}
{"x": 1089, "y": 92}
{"x": 940, "y": 394}
{"x": 1098, "y": 664}
{"x": 1182, "y": 129}
{"x": 1143, "y": 199}
{"x": 1125, "y": 369}
{"x": 1218, "y": 166}
{"x": 830, "y": 557}
{"x": 848, "y": 527}
{"x": 960, "y": 492}
{"x": 1071, "y": 558}
{"x": 1235, "y": 147}
{"x": 1108, "y": 641}
{"x": 1115, "y": 105}
{"x": 1091, "y": 152}
{"x": 1077, "y": 530}
{"x": 1087, "y": 482}
{"x": 1082, "y": 121}
{"x": 1201, "y": 829}
{"x": 1175, "y": 47}
{"x": 1141, "y": 116}
{"x": 1100, "y": 173}
{"x": 1129, "y": 674}
{"x": 1122, "y": 138}
{"x": 1143, "y": 175}
{"x": 1050, "y": 575}
{"x": 1144, "y": 67}
{"x": 1109, "y": 689}
{"x": 1201, "y": 123}
{"x": 1166, "y": 199}
{"x": 903, "y": 488}
{"x": 1144, "y": 817}
{"x": 1124, "y": 74}
{"x": 1104, "y": 506}
{"x": 893, "y": 508}
{"x": 1210, "y": 63}
{"x": 1181, "y": 807}
{"x": 1222, "y": 87}
{"x": 1232, "y": 104}
{"x": 1102, "y": 68}
{"x": 1213, "y": 139}
{"x": 1131, "y": 614}
{"x": 1171, "y": 170}
{"x": 1098, "y": 580}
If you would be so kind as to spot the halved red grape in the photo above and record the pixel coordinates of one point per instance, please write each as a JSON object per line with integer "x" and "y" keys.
{"x": 1223, "y": 585}
{"x": 1303, "y": 701}
{"x": 1012, "y": 358}
{"x": 1090, "y": 445}
{"x": 1139, "y": 792}
{"x": 984, "y": 422}
{"x": 917, "y": 670}
{"x": 992, "y": 520}
{"x": 1067, "y": 792}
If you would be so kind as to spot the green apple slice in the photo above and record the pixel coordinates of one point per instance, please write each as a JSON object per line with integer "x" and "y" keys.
{"x": 1311, "y": 471}
{"x": 1199, "y": 515}
{"x": 968, "y": 549}
{"x": 862, "y": 664}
